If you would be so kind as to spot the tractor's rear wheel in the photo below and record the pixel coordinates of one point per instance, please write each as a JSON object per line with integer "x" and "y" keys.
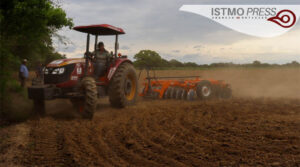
{"x": 123, "y": 86}
{"x": 86, "y": 106}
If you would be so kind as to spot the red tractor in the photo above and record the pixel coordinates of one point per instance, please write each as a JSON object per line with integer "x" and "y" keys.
{"x": 74, "y": 78}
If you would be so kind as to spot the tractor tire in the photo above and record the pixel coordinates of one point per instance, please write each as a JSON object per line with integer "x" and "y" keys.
{"x": 123, "y": 87}
{"x": 39, "y": 107}
{"x": 205, "y": 90}
{"x": 86, "y": 106}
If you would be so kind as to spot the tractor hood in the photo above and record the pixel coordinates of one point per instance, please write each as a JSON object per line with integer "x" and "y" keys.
{"x": 63, "y": 62}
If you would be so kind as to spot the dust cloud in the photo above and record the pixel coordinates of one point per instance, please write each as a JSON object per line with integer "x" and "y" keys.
{"x": 274, "y": 83}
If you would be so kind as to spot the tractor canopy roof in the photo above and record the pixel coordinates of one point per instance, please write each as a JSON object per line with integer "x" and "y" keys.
{"x": 100, "y": 29}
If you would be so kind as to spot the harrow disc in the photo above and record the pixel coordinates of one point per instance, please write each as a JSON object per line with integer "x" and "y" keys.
{"x": 170, "y": 92}
{"x": 191, "y": 95}
{"x": 183, "y": 95}
{"x": 179, "y": 93}
{"x": 167, "y": 93}
{"x": 173, "y": 93}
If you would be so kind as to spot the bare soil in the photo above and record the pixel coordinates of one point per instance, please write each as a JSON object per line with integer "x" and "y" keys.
{"x": 260, "y": 126}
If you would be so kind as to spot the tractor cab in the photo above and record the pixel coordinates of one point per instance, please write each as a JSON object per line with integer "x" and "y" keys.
{"x": 74, "y": 79}
{"x": 100, "y": 30}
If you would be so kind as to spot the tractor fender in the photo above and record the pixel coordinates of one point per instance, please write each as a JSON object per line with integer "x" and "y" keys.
{"x": 113, "y": 68}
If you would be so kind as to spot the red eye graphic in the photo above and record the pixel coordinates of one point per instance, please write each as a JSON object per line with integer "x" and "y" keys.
{"x": 284, "y": 18}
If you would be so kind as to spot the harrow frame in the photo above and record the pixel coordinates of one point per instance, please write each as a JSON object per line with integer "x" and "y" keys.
{"x": 162, "y": 87}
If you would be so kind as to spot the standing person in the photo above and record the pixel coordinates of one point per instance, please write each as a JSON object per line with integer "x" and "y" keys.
{"x": 23, "y": 73}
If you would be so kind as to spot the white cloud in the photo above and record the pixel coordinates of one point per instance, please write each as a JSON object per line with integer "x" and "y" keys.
{"x": 160, "y": 26}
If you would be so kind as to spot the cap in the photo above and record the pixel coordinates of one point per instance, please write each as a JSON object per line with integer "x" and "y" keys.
{"x": 100, "y": 44}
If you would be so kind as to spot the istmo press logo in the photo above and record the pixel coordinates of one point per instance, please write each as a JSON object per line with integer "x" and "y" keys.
{"x": 255, "y": 20}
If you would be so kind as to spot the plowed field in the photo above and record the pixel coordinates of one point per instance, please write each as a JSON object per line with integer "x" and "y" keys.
{"x": 252, "y": 129}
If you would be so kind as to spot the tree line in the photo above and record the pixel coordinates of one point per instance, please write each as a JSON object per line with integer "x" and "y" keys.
{"x": 149, "y": 58}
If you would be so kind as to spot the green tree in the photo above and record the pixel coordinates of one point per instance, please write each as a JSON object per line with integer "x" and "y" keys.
{"x": 190, "y": 64}
{"x": 165, "y": 63}
{"x": 148, "y": 58}
{"x": 294, "y": 64}
{"x": 26, "y": 31}
{"x": 27, "y": 28}
{"x": 175, "y": 63}
{"x": 256, "y": 63}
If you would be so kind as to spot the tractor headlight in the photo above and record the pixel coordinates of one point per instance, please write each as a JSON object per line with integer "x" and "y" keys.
{"x": 61, "y": 70}
{"x": 58, "y": 70}
{"x": 46, "y": 71}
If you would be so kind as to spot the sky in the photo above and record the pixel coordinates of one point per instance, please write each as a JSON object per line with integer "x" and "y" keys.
{"x": 159, "y": 25}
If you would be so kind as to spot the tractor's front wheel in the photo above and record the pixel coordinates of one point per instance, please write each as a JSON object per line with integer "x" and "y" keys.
{"x": 123, "y": 86}
{"x": 86, "y": 106}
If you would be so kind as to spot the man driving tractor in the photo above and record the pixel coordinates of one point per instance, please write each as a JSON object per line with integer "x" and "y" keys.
{"x": 101, "y": 56}
{"x": 75, "y": 79}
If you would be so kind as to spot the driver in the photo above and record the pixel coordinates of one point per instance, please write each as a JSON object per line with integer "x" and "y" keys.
{"x": 100, "y": 60}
